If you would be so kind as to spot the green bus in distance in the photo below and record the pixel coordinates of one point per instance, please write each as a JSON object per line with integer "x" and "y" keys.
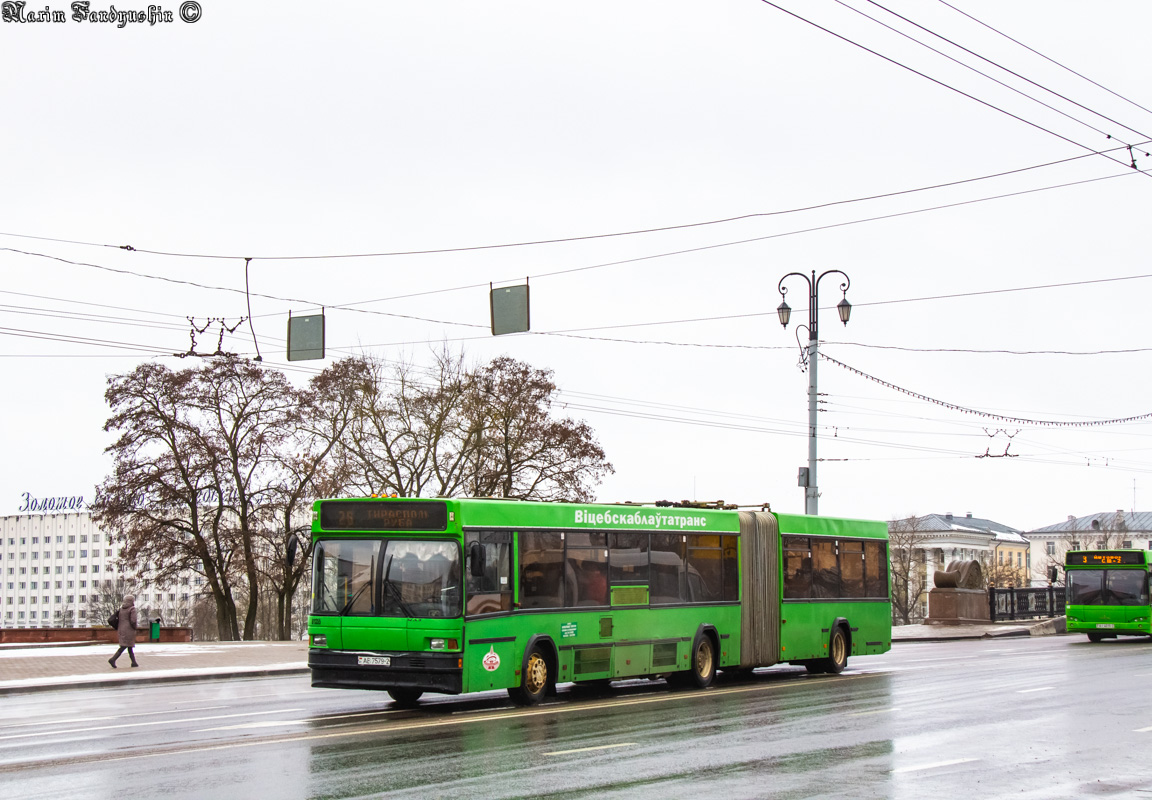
{"x": 468, "y": 595}
{"x": 1107, "y": 593}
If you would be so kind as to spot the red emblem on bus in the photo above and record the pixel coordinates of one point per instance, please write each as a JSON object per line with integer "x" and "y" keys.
{"x": 491, "y": 661}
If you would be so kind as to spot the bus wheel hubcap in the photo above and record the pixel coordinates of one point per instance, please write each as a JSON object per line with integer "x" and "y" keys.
{"x": 536, "y": 675}
{"x": 704, "y": 658}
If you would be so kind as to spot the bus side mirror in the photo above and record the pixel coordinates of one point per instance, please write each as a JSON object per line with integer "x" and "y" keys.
{"x": 1053, "y": 574}
{"x": 293, "y": 546}
{"x": 476, "y": 559}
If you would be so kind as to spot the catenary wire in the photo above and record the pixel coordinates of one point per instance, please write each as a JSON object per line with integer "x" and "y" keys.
{"x": 997, "y": 81}
{"x": 438, "y": 251}
{"x": 933, "y": 80}
{"x": 1046, "y": 58}
{"x": 1009, "y": 71}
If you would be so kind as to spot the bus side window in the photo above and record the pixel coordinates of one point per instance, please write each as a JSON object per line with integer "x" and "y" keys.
{"x": 731, "y": 569}
{"x": 586, "y": 574}
{"x": 541, "y": 570}
{"x": 875, "y": 570}
{"x": 851, "y": 569}
{"x": 667, "y": 569}
{"x": 705, "y": 568}
{"x": 825, "y": 570}
{"x": 490, "y": 592}
{"x": 797, "y": 566}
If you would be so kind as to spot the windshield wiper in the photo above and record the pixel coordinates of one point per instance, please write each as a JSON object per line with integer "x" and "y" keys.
{"x": 395, "y": 590}
{"x": 325, "y": 593}
{"x": 352, "y": 600}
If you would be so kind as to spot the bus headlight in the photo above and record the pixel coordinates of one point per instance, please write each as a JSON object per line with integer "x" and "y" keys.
{"x": 1073, "y": 619}
{"x": 319, "y": 640}
{"x": 437, "y": 644}
{"x": 443, "y": 644}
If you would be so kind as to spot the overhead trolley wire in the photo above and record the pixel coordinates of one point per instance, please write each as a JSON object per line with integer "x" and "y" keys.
{"x": 986, "y": 75}
{"x": 937, "y": 81}
{"x": 1009, "y": 71}
{"x": 1046, "y": 58}
{"x": 569, "y": 239}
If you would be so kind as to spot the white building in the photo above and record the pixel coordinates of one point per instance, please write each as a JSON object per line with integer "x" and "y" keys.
{"x": 52, "y": 563}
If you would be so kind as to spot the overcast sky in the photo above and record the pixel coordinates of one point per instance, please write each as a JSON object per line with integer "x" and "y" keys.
{"x": 296, "y": 129}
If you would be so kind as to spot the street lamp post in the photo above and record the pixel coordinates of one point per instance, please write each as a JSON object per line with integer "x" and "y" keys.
{"x": 844, "y": 308}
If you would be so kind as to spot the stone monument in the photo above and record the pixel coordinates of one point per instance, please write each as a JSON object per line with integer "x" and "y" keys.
{"x": 959, "y": 597}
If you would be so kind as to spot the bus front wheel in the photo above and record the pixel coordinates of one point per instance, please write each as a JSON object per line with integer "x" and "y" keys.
{"x": 534, "y": 683}
{"x": 1095, "y": 637}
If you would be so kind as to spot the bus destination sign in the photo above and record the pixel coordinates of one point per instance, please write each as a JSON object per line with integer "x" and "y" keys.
{"x": 1097, "y": 558}
{"x": 383, "y": 515}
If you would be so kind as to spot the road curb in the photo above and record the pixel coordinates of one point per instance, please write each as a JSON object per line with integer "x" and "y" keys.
{"x": 964, "y": 637}
{"x": 80, "y": 683}
{"x": 1053, "y": 626}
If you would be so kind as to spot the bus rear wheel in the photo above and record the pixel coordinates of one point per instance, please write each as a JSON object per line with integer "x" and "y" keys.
{"x": 534, "y": 682}
{"x": 405, "y": 697}
{"x": 703, "y": 662}
{"x": 837, "y": 655}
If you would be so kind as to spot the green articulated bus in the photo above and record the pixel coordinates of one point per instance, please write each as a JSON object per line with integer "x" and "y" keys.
{"x": 467, "y": 595}
{"x": 1107, "y": 593}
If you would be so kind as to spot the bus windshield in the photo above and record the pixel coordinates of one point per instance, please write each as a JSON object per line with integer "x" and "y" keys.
{"x": 1107, "y": 587}
{"x": 389, "y": 578}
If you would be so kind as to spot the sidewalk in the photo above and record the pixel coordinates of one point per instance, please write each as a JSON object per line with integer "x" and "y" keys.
{"x": 37, "y": 667}
{"x": 995, "y": 630}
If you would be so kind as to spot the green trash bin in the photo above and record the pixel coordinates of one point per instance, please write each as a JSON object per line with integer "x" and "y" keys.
{"x": 155, "y": 630}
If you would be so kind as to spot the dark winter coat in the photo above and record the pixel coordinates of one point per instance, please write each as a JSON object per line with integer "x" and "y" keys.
{"x": 127, "y": 628}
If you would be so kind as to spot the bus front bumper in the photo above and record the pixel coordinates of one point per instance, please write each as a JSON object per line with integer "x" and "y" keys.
{"x": 360, "y": 669}
{"x": 1109, "y": 628}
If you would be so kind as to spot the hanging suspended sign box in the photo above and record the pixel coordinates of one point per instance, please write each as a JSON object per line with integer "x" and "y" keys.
{"x": 509, "y": 306}
{"x": 305, "y": 337}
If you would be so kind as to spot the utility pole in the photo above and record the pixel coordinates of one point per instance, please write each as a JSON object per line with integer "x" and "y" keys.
{"x": 784, "y": 312}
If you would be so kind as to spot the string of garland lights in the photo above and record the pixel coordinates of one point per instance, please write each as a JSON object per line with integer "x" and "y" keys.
{"x": 1047, "y": 423}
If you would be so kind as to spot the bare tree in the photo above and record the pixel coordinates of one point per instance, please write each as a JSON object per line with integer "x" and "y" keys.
{"x": 304, "y": 471}
{"x": 455, "y": 429}
{"x": 526, "y": 452}
{"x": 192, "y": 449}
{"x": 246, "y": 415}
{"x": 907, "y": 540}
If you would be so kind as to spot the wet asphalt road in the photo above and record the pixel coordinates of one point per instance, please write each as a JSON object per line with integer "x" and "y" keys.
{"x": 1031, "y": 718}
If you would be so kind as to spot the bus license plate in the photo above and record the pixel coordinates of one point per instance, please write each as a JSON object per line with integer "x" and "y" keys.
{"x": 1105, "y": 625}
{"x": 374, "y": 661}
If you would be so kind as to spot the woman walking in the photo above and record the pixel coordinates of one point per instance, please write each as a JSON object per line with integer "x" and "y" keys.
{"x": 126, "y": 631}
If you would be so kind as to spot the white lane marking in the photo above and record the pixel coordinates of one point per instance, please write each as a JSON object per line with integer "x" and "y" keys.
{"x": 590, "y": 749}
{"x": 950, "y": 658}
{"x": 144, "y": 724}
{"x": 105, "y": 719}
{"x": 268, "y": 723}
{"x": 1142, "y": 730}
{"x": 1037, "y": 689}
{"x": 879, "y": 711}
{"x": 326, "y": 717}
{"x": 935, "y": 765}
